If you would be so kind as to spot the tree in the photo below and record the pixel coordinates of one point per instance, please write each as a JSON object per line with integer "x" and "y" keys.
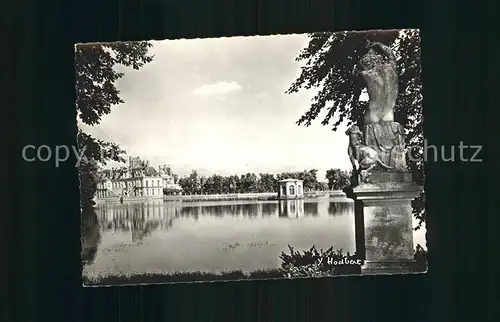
{"x": 213, "y": 185}
{"x": 310, "y": 179}
{"x": 184, "y": 184}
{"x": 337, "y": 179}
{"x": 290, "y": 175}
{"x": 322, "y": 186}
{"x": 249, "y": 183}
{"x": 96, "y": 75}
{"x": 218, "y": 182}
{"x": 233, "y": 183}
{"x": 192, "y": 184}
{"x": 267, "y": 182}
{"x": 207, "y": 186}
{"x": 96, "y": 93}
{"x": 329, "y": 60}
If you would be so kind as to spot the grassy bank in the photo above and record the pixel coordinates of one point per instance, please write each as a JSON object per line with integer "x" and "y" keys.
{"x": 294, "y": 264}
{"x": 180, "y": 277}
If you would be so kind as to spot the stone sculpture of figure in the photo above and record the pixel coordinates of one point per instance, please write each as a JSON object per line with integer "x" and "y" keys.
{"x": 378, "y": 69}
{"x": 380, "y": 146}
{"x": 366, "y": 157}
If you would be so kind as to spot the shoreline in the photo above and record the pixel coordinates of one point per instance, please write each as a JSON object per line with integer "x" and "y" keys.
{"x": 228, "y": 276}
{"x": 263, "y": 196}
{"x": 179, "y": 277}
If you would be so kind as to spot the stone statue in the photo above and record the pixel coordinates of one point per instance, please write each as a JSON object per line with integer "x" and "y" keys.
{"x": 380, "y": 147}
{"x": 366, "y": 157}
{"x": 381, "y": 185}
{"x": 378, "y": 69}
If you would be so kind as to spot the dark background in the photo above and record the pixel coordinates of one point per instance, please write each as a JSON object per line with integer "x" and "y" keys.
{"x": 40, "y": 224}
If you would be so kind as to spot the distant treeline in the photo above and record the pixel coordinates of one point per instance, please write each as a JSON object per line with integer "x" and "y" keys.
{"x": 262, "y": 182}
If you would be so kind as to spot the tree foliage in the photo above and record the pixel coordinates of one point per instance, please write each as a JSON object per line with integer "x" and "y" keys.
{"x": 338, "y": 179}
{"x": 267, "y": 182}
{"x": 96, "y": 94}
{"x": 246, "y": 183}
{"x": 95, "y": 67}
{"x": 328, "y": 61}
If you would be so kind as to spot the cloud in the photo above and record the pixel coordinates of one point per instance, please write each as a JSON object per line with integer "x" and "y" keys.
{"x": 217, "y": 88}
{"x": 261, "y": 95}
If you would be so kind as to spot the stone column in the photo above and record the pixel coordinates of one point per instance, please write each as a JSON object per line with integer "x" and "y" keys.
{"x": 383, "y": 221}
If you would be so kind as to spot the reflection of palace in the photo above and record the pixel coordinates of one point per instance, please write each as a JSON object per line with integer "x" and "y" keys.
{"x": 291, "y": 208}
{"x": 140, "y": 221}
{"x": 137, "y": 180}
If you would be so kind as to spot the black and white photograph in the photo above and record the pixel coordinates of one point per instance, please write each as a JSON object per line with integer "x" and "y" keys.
{"x": 256, "y": 157}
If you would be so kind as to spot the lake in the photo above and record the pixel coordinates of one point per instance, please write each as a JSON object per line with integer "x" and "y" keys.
{"x": 215, "y": 236}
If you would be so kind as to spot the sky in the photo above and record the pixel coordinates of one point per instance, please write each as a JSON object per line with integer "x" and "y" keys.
{"x": 219, "y": 106}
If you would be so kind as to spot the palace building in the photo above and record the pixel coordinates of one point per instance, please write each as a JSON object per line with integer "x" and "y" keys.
{"x": 137, "y": 180}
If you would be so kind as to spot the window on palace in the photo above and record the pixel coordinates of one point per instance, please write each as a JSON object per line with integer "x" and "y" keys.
{"x": 291, "y": 190}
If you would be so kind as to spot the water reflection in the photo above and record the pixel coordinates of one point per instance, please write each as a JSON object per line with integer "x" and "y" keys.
{"x": 238, "y": 210}
{"x": 140, "y": 220}
{"x": 311, "y": 209}
{"x": 269, "y": 209}
{"x": 291, "y": 208}
{"x": 91, "y": 235}
{"x": 191, "y": 211}
{"x": 340, "y": 208}
{"x": 133, "y": 223}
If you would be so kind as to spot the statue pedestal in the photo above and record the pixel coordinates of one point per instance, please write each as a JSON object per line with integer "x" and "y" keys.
{"x": 383, "y": 221}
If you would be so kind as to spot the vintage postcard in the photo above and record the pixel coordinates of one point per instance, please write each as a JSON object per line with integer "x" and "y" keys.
{"x": 285, "y": 156}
